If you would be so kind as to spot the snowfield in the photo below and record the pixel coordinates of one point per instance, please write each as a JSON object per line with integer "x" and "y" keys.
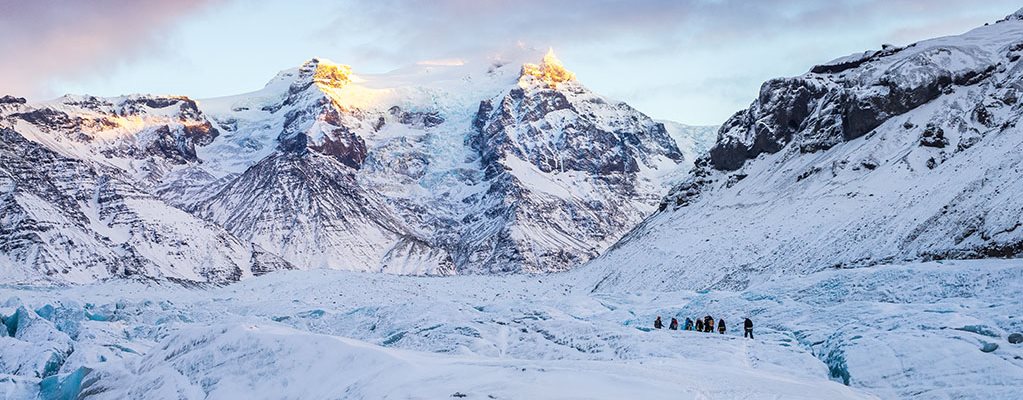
{"x": 927, "y": 331}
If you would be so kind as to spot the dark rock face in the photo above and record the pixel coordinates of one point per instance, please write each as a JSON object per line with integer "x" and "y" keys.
{"x": 179, "y": 148}
{"x": 580, "y": 143}
{"x": 337, "y": 139}
{"x": 173, "y": 139}
{"x": 565, "y": 130}
{"x": 836, "y": 103}
{"x": 685, "y": 193}
{"x": 8, "y": 99}
{"x": 50, "y": 119}
{"x": 421, "y": 119}
{"x": 933, "y": 136}
{"x": 344, "y": 145}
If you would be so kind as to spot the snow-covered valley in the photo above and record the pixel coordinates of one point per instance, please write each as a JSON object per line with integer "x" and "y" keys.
{"x": 888, "y": 332}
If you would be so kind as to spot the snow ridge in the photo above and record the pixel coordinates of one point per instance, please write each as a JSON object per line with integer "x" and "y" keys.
{"x": 898, "y": 155}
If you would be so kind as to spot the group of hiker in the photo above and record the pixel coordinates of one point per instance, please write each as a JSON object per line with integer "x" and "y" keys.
{"x": 705, "y": 324}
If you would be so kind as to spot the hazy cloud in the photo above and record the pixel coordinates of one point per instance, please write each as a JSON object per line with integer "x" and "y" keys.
{"x": 403, "y": 27}
{"x": 44, "y": 39}
{"x": 697, "y": 61}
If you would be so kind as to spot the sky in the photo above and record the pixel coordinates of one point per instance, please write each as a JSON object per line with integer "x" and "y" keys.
{"x": 692, "y": 61}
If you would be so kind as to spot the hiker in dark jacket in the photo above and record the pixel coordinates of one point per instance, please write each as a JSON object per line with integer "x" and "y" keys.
{"x": 708, "y": 324}
{"x": 657, "y": 323}
{"x": 747, "y": 327}
{"x": 699, "y": 325}
{"x": 721, "y": 326}
{"x": 673, "y": 325}
{"x": 689, "y": 324}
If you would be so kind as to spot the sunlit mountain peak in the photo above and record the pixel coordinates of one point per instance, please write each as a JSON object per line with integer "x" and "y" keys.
{"x": 550, "y": 71}
{"x": 327, "y": 73}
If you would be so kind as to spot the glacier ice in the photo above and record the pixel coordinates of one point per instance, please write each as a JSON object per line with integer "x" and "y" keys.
{"x": 891, "y": 331}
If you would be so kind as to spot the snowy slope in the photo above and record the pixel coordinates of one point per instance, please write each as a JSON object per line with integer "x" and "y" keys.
{"x": 66, "y": 220}
{"x": 896, "y": 155}
{"x": 278, "y": 362}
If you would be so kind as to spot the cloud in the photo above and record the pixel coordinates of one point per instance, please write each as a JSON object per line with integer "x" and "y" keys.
{"x": 401, "y": 28}
{"x": 46, "y": 39}
{"x": 697, "y": 60}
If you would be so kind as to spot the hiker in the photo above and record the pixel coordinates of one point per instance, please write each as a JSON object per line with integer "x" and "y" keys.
{"x": 747, "y": 326}
{"x": 673, "y": 325}
{"x": 708, "y": 324}
{"x": 689, "y": 324}
{"x": 721, "y": 326}
{"x": 699, "y": 325}
{"x": 657, "y": 323}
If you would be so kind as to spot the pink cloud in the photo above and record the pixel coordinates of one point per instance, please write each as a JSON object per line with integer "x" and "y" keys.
{"x": 44, "y": 39}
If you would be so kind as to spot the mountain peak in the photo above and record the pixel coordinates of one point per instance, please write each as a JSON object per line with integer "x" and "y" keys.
{"x": 326, "y": 73}
{"x": 550, "y": 71}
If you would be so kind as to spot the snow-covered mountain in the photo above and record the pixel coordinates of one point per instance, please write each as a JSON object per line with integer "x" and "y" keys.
{"x": 900, "y": 154}
{"x": 79, "y": 222}
{"x": 145, "y": 136}
{"x": 440, "y": 168}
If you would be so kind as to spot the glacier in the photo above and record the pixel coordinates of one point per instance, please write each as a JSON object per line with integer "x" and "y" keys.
{"x": 892, "y": 331}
